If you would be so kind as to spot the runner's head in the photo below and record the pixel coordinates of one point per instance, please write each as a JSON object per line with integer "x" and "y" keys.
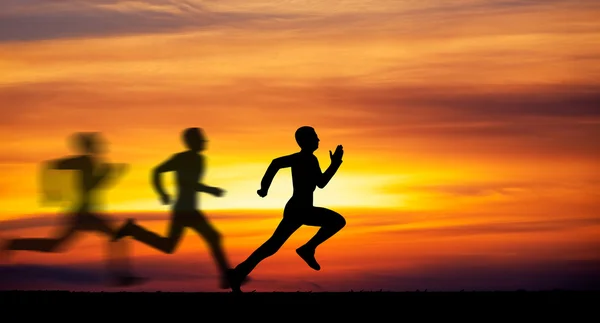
{"x": 194, "y": 139}
{"x": 307, "y": 138}
{"x": 88, "y": 143}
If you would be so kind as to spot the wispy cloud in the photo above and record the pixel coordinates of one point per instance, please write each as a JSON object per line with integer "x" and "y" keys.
{"x": 501, "y": 227}
{"x": 38, "y": 20}
{"x": 478, "y": 274}
{"x": 53, "y": 220}
{"x": 15, "y": 276}
{"x": 93, "y": 275}
{"x": 531, "y": 120}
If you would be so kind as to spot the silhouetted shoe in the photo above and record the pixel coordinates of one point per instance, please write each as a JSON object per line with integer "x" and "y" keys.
{"x": 225, "y": 281}
{"x": 124, "y": 231}
{"x": 308, "y": 255}
{"x": 128, "y": 280}
{"x": 235, "y": 280}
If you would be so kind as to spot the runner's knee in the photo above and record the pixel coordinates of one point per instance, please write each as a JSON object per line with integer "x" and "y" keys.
{"x": 170, "y": 247}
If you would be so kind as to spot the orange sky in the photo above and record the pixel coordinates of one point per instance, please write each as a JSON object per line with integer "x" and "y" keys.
{"x": 471, "y": 116}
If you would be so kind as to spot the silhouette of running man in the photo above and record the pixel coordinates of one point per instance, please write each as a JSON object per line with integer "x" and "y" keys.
{"x": 189, "y": 169}
{"x": 299, "y": 210}
{"x": 93, "y": 175}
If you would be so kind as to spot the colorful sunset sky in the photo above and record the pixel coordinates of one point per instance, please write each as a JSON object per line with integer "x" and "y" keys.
{"x": 470, "y": 129}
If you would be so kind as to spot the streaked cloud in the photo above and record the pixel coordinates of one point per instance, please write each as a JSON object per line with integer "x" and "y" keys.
{"x": 502, "y": 228}
{"x": 38, "y": 20}
{"x": 476, "y": 274}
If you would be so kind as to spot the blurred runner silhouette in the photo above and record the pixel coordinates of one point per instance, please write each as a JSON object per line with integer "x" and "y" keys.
{"x": 91, "y": 175}
{"x": 189, "y": 167}
{"x": 299, "y": 210}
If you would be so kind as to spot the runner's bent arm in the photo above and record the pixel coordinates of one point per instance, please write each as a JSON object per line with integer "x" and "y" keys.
{"x": 274, "y": 167}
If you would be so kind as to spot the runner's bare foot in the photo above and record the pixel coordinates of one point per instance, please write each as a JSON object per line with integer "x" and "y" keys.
{"x": 308, "y": 255}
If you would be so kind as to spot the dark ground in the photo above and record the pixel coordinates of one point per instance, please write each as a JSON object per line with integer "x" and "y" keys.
{"x": 404, "y": 306}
